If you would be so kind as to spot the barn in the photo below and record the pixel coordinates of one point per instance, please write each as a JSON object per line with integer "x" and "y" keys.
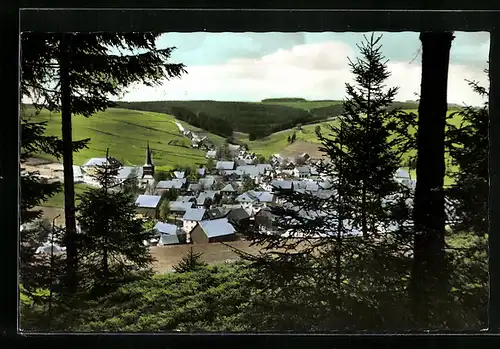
{"x": 216, "y": 230}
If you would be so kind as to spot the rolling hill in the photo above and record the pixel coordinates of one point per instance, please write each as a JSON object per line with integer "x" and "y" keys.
{"x": 126, "y": 133}
{"x": 259, "y": 119}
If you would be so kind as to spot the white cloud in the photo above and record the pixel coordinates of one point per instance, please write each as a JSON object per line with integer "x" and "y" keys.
{"x": 312, "y": 71}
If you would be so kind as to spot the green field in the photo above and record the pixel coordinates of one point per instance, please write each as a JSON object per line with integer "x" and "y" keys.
{"x": 57, "y": 201}
{"x": 125, "y": 133}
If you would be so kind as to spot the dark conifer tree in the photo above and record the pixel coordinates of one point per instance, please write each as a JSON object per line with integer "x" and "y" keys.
{"x": 192, "y": 261}
{"x": 111, "y": 244}
{"x": 315, "y": 263}
{"x": 468, "y": 147}
{"x": 75, "y": 74}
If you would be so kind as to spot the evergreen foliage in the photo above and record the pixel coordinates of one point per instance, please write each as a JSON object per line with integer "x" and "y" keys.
{"x": 110, "y": 247}
{"x": 192, "y": 261}
{"x": 468, "y": 146}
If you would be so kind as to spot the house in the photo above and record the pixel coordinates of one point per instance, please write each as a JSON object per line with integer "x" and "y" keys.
{"x": 168, "y": 234}
{"x": 218, "y": 212}
{"x": 206, "y": 183}
{"x": 201, "y": 171}
{"x": 215, "y": 230}
{"x": 251, "y": 197}
{"x": 238, "y": 216}
{"x": 234, "y": 149}
{"x": 192, "y": 217}
{"x": 193, "y": 188}
{"x": 302, "y": 171}
{"x": 280, "y": 185}
{"x": 228, "y": 190}
{"x": 186, "y": 198}
{"x": 240, "y": 162}
{"x": 305, "y": 156}
{"x": 180, "y": 207}
{"x": 209, "y": 194}
{"x": 175, "y": 183}
{"x": 211, "y": 154}
{"x": 148, "y": 205}
{"x": 78, "y": 174}
{"x": 264, "y": 219}
{"x": 179, "y": 174}
{"x": 314, "y": 174}
{"x": 225, "y": 165}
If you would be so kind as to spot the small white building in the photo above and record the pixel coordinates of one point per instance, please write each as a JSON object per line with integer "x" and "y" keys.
{"x": 302, "y": 171}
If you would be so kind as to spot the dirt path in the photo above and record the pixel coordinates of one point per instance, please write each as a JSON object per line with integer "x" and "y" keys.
{"x": 168, "y": 256}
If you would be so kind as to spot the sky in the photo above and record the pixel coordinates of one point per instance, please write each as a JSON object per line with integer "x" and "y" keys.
{"x": 254, "y": 66}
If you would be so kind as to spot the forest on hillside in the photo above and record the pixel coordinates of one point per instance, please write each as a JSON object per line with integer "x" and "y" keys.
{"x": 257, "y": 119}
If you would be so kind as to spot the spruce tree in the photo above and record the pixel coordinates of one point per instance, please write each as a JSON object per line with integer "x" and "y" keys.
{"x": 75, "y": 74}
{"x": 374, "y": 136}
{"x": 468, "y": 147}
{"x": 314, "y": 263}
{"x": 192, "y": 261}
{"x": 111, "y": 244}
{"x": 37, "y": 271}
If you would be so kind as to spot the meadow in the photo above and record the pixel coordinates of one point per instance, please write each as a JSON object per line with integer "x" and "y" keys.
{"x": 126, "y": 133}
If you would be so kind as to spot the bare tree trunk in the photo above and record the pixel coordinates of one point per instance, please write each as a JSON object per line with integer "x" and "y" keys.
{"x": 67, "y": 138}
{"x": 429, "y": 275}
{"x": 494, "y": 217}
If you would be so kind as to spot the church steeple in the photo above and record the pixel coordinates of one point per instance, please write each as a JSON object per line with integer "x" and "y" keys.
{"x": 148, "y": 156}
{"x": 148, "y": 169}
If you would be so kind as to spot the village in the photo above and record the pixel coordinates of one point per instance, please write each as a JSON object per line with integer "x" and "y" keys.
{"x": 212, "y": 208}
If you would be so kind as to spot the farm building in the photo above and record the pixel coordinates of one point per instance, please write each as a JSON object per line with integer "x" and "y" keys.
{"x": 216, "y": 230}
{"x": 148, "y": 205}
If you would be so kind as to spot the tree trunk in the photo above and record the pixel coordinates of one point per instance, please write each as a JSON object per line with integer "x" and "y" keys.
{"x": 493, "y": 207}
{"x": 428, "y": 274}
{"x": 67, "y": 138}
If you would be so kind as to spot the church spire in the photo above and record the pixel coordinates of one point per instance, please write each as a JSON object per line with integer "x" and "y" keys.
{"x": 148, "y": 170}
{"x": 148, "y": 156}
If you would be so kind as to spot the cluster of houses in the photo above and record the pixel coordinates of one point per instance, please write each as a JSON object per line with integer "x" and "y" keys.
{"x": 214, "y": 207}
{"x": 197, "y": 141}
{"x": 211, "y": 208}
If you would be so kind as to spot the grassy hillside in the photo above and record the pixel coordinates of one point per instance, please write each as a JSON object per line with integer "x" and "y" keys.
{"x": 260, "y": 119}
{"x": 126, "y": 133}
{"x": 257, "y": 118}
{"x": 306, "y": 140}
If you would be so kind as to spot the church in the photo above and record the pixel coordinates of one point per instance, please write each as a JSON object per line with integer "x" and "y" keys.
{"x": 144, "y": 174}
